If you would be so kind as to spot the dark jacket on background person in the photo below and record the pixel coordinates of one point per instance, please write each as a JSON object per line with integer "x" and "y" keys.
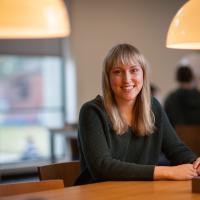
{"x": 183, "y": 107}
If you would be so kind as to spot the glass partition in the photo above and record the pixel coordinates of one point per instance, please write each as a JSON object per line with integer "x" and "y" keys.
{"x": 30, "y": 104}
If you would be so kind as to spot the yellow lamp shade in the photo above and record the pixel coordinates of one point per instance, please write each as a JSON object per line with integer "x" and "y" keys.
{"x": 184, "y": 30}
{"x": 33, "y": 19}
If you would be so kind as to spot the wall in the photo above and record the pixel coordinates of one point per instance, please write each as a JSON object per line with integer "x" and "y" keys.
{"x": 97, "y": 25}
{"x": 31, "y": 46}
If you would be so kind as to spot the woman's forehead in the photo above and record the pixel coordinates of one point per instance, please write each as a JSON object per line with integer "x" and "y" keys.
{"x": 130, "y": 62}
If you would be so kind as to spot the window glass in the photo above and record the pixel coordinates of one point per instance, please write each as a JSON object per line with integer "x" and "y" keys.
{"x": 30, "y": 104}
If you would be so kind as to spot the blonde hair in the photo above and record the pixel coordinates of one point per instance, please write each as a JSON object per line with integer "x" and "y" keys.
{"x": 143, "y": 117}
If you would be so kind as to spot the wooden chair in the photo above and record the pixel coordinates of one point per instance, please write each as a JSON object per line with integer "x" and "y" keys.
{"x": 28, "y": 187}
{"x": 68, "y": 171}
{"x": 190, "y": 135}
{"x": 74, "y": 148}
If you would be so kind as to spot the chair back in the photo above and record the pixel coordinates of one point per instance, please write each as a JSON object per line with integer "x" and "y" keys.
{"x": 68, "y": 171}
{"x": 28, "y": 187}
{"x": 190, "y": 135}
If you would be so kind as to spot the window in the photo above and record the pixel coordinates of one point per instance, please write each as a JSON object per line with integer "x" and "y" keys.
{"x": 30, "y": 103}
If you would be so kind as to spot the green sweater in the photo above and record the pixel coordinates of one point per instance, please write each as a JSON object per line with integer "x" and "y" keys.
{"x": 104, "y": 155}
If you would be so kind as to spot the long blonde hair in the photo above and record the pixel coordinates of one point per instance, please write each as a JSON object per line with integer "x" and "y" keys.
{"x": 143, "y": 117}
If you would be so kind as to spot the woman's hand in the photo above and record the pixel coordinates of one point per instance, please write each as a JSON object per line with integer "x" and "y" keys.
{"x": 196, "y": 165}
{"x": 183, "y": 172}
{"x": 179, "y": 172}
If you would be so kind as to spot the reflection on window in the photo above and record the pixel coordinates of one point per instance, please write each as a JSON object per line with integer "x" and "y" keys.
{"x": 30, "y": 99}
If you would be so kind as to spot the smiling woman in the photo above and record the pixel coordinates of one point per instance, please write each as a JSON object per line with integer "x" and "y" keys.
{"x": 125, "y": 84}
{"x": 122, "y": 133}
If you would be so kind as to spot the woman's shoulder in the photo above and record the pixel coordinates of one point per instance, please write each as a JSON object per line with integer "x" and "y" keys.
{"x": 96, "y": 103}
{"x": 156, "y": 106}
{"x": 94, "y": 109}
{"x": 155, "y": 102}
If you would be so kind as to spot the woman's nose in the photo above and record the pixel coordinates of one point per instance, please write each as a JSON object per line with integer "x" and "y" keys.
{"x": 127, "y": 77}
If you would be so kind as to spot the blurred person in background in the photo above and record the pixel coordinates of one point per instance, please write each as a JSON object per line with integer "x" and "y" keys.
{"x": 31, "y": 151}
{"x": 183, "y": 104}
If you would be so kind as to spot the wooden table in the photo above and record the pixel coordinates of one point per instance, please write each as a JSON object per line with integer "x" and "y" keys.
{"x": 136, "y": 190}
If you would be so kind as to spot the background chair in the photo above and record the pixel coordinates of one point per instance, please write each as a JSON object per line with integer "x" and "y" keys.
{"x": 68, "y": 171}
{"x": 74, "y": 148}
{"x": 21, "y": 188}
{"x": 190, "y": 135}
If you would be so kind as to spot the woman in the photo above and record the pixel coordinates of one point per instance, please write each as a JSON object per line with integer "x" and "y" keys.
{"x": 122, "y": 133}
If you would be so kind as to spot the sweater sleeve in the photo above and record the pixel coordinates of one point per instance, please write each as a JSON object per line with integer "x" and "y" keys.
{"x": 174, "y": 149}
{"x": 93, "y": 130}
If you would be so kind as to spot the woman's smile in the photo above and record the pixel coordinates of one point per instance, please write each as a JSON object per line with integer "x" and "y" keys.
{"x": 127, "y": 87}
{"x": 126, "y": 82}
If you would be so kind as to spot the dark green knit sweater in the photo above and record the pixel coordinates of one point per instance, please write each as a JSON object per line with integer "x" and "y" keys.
{"x": 104, "y": 155}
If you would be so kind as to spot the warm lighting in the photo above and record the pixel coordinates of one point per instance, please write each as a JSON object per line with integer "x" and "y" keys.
{"x": 33, "y": 19}
{"x": 184, "y": 31}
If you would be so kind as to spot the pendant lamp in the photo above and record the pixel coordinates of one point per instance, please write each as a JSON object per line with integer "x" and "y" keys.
{"x": 184, "y": 30}
{"x": 23, "y": 19}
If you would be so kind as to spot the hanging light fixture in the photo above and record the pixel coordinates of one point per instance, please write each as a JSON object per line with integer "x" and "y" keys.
{"x": 33, "y": 19}
{"x": 184, "y": 30}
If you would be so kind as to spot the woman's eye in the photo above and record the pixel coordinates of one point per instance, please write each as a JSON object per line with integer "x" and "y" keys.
{"x": 134, "y": 70}
{"x": 117, "y": 72}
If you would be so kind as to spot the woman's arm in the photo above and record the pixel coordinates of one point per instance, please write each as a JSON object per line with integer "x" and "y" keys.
{"x": 173, "y": 148}
{"x": 179, "y": 172}
{"x": 177, "y": 152}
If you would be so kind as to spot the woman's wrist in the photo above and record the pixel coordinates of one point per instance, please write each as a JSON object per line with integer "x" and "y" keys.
{"x": 162, "y": 172}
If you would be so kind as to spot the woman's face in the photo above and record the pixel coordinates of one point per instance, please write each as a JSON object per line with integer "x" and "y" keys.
{"x": 126, "y": 82}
